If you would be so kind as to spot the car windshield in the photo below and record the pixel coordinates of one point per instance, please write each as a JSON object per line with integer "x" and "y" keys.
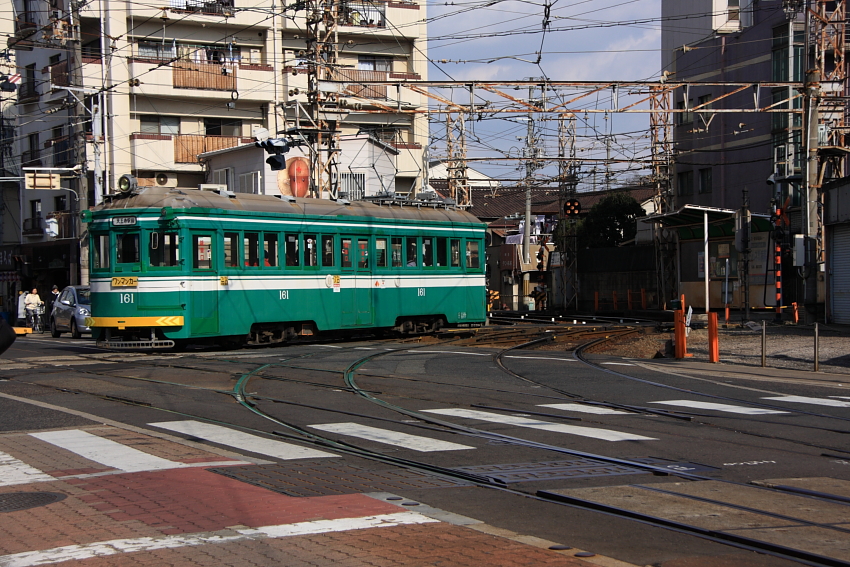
{"x": 84, "y": 296}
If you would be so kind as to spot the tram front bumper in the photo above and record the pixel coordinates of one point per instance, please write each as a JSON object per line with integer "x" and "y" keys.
{"x": 122, "y": 323}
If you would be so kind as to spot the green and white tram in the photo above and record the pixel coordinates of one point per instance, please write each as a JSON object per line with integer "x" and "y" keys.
{"x": 170, "y": 267}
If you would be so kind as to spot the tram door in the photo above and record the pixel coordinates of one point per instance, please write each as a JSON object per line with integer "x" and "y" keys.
{"x": 204, "y": 302}
{"x": 357, "y": 281}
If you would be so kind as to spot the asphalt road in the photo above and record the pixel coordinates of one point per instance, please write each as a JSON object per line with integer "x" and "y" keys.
{"x": 617, "y": 433}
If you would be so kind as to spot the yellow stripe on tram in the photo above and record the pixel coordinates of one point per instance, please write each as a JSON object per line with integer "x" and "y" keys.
{"x": 124, "y": 322}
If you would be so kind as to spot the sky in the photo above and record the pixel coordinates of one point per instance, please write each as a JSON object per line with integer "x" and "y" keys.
{"x": 580, "y": 40}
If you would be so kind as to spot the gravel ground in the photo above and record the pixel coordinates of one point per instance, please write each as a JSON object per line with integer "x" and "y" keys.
{"x": 788, "y": 346}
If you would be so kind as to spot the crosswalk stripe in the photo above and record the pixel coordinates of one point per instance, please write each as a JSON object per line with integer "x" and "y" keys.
{"x": 807, "y": 400}
{"x": 106, "y": 451}
{"x": 581, "y": 408}
{"x": 594, "y": 432}
{"x": 241, "y": 440}
{"x": 719, "y": 407}
{"x": 13, "y": 471}
{"x": 414, "y": 442}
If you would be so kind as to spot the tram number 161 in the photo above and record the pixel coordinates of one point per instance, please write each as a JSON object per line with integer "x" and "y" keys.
{"x": 126, "y": 298}
{"x": 421, "y": 292}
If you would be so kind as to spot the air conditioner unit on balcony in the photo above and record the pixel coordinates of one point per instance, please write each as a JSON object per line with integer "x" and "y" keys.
{"x": 165, "y": 180}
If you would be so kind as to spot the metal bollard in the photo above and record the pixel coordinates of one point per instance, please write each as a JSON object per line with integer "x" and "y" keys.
{"x": 817, "y": 365}
{"x": 763, "y": 344}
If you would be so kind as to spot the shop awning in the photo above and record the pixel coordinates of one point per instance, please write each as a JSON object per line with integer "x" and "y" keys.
{"x": 688, "y": 221}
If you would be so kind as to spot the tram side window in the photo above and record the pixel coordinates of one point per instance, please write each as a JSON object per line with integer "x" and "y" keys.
{"x": 231, "y": 249}
{"x": 411, "y": 253}
{"x": 251, "y": 249}
{"x": 101, "y": 251}
{"x": 472, "y": 259}
{"x": 395, "y": 243}
{"x": 428, "y": 252}
{"x": 127, "y": 248}
{"x": 163, "y": 250}
{"x": 292, "y": 252}
{"x": 311, "y": 252}
{"x": 442, "y": 252}
{"x": 202, "y": 252}
{"x": 381, "y": 253}
{"x": 346, "y": 252}
{"x": 455, "y": 253}
{"x": 328, "y": 251}
{"x": 270, "y": 249}
{"x": 363, "y": 250}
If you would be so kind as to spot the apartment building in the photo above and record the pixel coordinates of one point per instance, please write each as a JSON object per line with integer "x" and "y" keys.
{"x": 127, "y": 88}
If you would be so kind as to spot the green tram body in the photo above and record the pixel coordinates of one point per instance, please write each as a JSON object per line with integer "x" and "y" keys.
{"x": 176, "y": 266}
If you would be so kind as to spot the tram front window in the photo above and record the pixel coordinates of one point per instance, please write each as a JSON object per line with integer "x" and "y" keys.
{"x": 127, "y": 248}
{"x": 101, "y": 251}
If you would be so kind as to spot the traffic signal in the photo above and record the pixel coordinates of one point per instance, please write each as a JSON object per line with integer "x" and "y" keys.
{"x": 540, "y": 254}
{"x": 572, "y": 208}
{"x": 276, "y": 162}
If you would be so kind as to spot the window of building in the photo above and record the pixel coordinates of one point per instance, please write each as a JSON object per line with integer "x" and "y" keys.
{"x": 35, "y": 209}
{"x": 222, "y": 127}
{"x": 687, "y": 116}
{"x": 374, "y": 63}
{"x": 60, "y": 203}
{"x": 169, "y": 125}
{"x": 250, "y": 183}
{"x": 705, "y": 180}
{"x": 222, "y": 176}
{"x": 156, "y": 50}
{"x": 685, "y": 182}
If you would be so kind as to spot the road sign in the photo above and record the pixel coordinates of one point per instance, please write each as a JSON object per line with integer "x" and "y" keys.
{"x": 42, "y": 181}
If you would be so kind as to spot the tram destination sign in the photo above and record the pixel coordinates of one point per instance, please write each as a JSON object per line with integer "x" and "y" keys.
{"x": 123, "y": 221}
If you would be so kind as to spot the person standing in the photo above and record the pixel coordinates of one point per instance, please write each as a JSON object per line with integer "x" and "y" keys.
{"x": 51, "y": 299}
{"x": 22, "y": 309}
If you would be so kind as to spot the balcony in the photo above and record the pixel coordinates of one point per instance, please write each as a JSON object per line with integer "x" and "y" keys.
{"x": 61, "y": 151}
{"x": 33, "y": 227}
{"x": 355, "y": 76}
{"x": 27, "y": 92}
{"x": 219, "y": 8}
{"x": 66, "y": 223}
{"x": 31, "y": 158}
{"x": 188, "y": 146}
{"x": 207, "y": 76}
{"x": 25, "y": 25}
{"x": 59, "y": 75}
{"x": 362, "y": 14}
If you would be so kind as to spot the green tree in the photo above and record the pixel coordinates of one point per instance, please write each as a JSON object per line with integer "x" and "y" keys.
{"x": 610, "y": 222}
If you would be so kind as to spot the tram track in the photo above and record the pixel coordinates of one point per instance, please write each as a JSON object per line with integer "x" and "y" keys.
{"x": 295, "y": 433}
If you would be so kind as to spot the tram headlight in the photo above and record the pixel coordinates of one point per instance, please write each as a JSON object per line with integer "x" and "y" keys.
{"x": 127, "y": 183}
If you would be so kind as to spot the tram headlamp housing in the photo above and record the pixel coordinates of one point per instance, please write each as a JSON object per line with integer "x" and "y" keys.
{"x": 85, "y": 216}
{"x": 167, "y": 213}
{"x": 127, "y": 183}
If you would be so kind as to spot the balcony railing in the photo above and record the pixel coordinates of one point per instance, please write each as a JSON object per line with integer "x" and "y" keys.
{"x": 355, "y": 76}
{"x": 26, "y": 25}
{"x": 209, "y": 76}
{"x": 33, "y": 226}
{"x": 31, "y": 158}
{"x": 188, "y": 146}
{"x": 61, "y": 151}
{"x": 362, "y": 14}
{"x": 66, "y": 223}
{"x": 59, "y": 74}
{"x": 220, "y": 7}
{"x": 27, "y": 91}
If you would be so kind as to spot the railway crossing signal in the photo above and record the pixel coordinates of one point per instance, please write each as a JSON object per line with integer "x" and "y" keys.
{"x": 277, "y": 148}
{"x": 540, "y": 255}
{"x": 572, "y": 208}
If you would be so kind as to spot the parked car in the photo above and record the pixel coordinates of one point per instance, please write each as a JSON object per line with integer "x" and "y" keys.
{"x": 70, "y": 311}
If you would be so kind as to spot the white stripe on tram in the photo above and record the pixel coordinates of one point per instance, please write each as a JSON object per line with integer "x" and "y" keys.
{"x": 414, "y": 442}
{"x": 14, "y": 471}
{"x": 106, "y": 451}
{"x": 581, "y": 408}
{"x": 813, "y": 401}
{"x": 593, "y": 432}
{"x": 241, "y": 440}
{"x": 719, "y": 407}
{"x": 84, "y": 551}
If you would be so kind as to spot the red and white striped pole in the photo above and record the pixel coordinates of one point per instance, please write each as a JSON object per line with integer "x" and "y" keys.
{"x": 778, "y": 264}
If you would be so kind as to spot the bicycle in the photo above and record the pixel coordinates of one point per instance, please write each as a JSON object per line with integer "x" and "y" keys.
{"x": 36, "y": 319}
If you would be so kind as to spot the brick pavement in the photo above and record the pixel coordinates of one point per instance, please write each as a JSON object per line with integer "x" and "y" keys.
{"x": 193, "y": 517}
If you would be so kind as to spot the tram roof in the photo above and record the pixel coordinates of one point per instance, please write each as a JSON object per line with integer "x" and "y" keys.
{"x": 159, "y": 197}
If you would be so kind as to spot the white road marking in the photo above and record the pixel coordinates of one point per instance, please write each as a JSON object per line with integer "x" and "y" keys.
{"x": 327, "y": 346}
{"x": 543, "y": 358}
{"x": 13, "y": 471}
{"x": 807, "y": 400}
{"x": 363, "y": 348}
{"x": 240, "y": 440}
{"x": 448, "y": 352}
{"x": 581, "y": 408}
{"x": 719, "y": 407}
{"x": 619, "y": 363}
{"x": 594, "y": 432}
{"x": 841, "y": 397}
{"x": 415, "y": 442}
{"x": 106, "y": 451}
{"x": 130, "y": 545}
